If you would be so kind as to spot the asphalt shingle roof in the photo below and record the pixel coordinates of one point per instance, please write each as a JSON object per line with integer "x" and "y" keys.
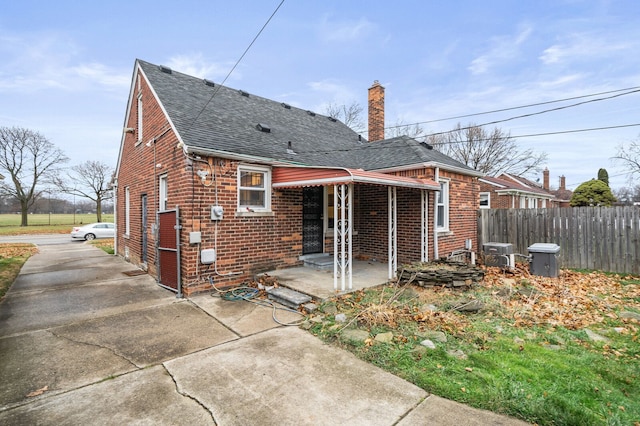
{"x": 229, "y": 121}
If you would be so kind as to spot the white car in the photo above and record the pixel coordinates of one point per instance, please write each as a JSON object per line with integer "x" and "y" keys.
{"x": 93, "y": 231}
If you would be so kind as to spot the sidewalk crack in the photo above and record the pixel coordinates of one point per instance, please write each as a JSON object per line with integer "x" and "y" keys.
{"x": 186, "y": 395}
{"x": 113, "y": 351}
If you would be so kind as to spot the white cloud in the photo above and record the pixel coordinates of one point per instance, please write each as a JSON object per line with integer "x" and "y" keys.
{"x": 584, "y": 46}
{"x": 502, "y": 50}
{"x": 102, "y": 75}
{"x": 195, "y": 65}
{"x": 36, "y": 62}
{"x": 346, "y": 30}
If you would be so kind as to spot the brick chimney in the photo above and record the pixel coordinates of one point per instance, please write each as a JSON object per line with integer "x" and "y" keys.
{"x": 562, "y": 184}
{"x": 545, "y": 179}
{"x": 376, "y": 112}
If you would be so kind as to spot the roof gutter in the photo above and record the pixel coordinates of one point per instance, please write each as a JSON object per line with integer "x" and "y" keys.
{"x": 238, "y": 157}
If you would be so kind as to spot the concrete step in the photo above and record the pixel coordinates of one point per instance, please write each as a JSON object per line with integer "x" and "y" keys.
{"x": 322, "y": 262}
{"x": 288, "y": 297}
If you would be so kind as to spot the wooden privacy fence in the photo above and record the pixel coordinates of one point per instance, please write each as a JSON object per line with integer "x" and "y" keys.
{"x": 601, "y": 238}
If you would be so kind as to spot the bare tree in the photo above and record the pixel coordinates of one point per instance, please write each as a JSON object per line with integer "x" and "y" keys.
{"x": 629, "y": 158}
{"x": 488, "y": 152}
{"x": 27, "y": 157}
{"x": 403, "y": 129}
{"x": 351, "y": 115}
{"x": 88, "y": 180}
{"x": 627, "y": 195}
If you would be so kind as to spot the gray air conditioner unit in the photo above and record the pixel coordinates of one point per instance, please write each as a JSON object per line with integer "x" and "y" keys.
{"x": 498, "y": 254}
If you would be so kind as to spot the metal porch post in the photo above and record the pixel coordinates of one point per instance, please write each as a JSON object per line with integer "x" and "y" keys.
{"x": 424, "y": 234}
{"x": 342, "y": 236}
{"x": 393, "y": 232}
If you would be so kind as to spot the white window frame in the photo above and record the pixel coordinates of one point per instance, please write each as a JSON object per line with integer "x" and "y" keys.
{"x": 488, "y": 195}
{"x": 163, "y": 192}
{"x": 442, "y": 206}
{"x": 140, "y": 123}
{"x": 127, "y": 211}
{"x": 266, "y": 171}
{"x": 523, "y": 202}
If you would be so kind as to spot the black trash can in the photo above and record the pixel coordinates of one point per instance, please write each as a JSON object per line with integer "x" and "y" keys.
{"x": 544, "y": 259}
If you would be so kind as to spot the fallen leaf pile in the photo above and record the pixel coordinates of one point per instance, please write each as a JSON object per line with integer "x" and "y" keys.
{"x": 17, "y": 250}
{"x": 573, "y": 300}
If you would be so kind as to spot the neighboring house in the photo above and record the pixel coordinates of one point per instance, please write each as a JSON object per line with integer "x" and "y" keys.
{"x": 216, "y": 185}
{"x": 562, "y": 194}
{"x": 514, "y": 192}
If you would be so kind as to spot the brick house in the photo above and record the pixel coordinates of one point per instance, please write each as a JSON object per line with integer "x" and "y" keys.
{"x": 514, "y": 192}
{"x": 216, "y": 185}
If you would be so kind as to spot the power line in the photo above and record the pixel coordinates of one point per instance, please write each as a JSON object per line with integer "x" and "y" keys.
{"x": 546, "y": 134}
{"x": 372, "y": 145}
{"x": 514, "y": 108}
{"x": 535, "y": 113}
{"x": 237, "y": 62}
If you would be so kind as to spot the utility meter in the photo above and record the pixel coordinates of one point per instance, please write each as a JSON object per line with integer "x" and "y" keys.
{"x": 217, "y": 212}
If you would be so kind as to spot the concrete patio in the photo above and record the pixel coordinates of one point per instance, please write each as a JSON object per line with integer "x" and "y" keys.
{"x": 319, "y": 284}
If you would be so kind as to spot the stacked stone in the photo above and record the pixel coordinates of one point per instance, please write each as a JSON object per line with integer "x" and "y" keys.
{"x": 441, "y": 274}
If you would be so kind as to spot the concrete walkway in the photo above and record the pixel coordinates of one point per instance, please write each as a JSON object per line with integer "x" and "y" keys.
{"x": 83, "y": 343}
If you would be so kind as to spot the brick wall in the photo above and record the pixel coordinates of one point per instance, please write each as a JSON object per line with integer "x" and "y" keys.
{"x": 463, "y": 206}
{"x": 248, "y": 244}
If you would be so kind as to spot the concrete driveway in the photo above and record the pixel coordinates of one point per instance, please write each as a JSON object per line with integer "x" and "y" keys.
{"x": 83, "y": 343}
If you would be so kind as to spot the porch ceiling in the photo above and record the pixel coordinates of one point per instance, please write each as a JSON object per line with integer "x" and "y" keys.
{"x": 294, "y": 177}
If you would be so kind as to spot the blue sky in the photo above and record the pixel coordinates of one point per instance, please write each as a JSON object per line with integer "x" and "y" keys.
{"x": 66, "y": 65}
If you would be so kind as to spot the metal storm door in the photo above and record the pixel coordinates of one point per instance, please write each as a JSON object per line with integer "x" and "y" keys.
{"x": 312, "y": 223}
{"x": 169, "y": 250}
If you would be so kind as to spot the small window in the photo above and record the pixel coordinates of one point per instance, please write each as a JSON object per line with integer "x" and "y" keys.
{"x": 163, "y": 192}
{"x": 254, "y": 189}
{"x": 442, "y": 206}
{"x": 140, "y": 117}
{"x": 485, "y": 198}
{"x": 127, "y": 211}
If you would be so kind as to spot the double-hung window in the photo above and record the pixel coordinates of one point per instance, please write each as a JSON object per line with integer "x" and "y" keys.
{"x": 442, "y": 206}
{"x": 485, "y": 198}
{"x": 254, "y": 189}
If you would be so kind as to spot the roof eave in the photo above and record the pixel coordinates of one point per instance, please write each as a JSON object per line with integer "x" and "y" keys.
{"x": 236, "y": 156}
{"x": 430, "y": 164}
{"x": 510, "y": 191}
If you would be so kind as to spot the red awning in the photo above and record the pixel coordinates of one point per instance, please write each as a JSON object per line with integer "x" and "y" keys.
{"x": 295, "y": 177}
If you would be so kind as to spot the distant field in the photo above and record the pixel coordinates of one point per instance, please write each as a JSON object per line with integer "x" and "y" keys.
{"x": 46, "y": 224}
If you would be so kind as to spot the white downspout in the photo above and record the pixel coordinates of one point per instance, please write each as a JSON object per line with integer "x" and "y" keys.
{"x": 436, "y": 255}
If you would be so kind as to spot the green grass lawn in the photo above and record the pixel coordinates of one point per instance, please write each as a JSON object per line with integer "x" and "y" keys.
{"x": 12, "y": 257}
{"x": 525, "y": 354}
{"x": 46, "y": 224}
